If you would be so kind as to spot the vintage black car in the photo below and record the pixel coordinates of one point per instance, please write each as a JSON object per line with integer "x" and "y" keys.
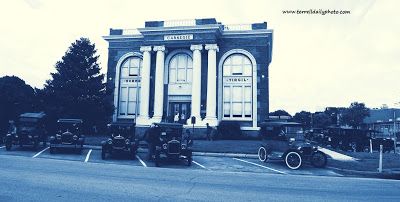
{"x": 378, "y": 138}
{"x": 285, "y": 140}
{"x": 166, "y": 140}
{"x": 69, "y": 135}
{"x": 348, "y": 138}
{"x": 122, "y": 140}
{"x": 28, "y": 130}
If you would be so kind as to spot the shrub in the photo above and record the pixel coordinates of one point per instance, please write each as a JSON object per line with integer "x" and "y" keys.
{"x": 229, "y": 130}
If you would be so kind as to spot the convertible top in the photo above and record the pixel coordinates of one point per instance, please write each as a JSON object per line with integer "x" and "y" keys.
{"x": 33, "y": 115}
{"x": 69, "y": 121}
{"x": 280, "y": 123}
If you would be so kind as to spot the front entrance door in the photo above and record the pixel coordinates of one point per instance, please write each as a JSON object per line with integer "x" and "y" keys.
{"x": 179, "y": 111}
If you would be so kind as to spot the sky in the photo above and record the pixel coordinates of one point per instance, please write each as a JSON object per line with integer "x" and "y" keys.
{"x": 318, "y": 60}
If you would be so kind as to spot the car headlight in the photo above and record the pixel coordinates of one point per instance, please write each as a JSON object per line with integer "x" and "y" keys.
{"x": 75, "y": 137}
{"x": 109, "y": 141}
{"x": 127, "y": 141}
{"x": 183, "y": 146}
{"x": 165, "y": 146}
{"x": 16, "y": 136}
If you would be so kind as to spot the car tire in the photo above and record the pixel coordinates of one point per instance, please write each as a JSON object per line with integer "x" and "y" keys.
{"x": 262, "y": 154}
{"x": 8, "y": 146}
{"x": 293, "y": 160}
{"x": 103, "y": 155}
{"x": 189, "y": 160}
{"x": 319, "y": 159}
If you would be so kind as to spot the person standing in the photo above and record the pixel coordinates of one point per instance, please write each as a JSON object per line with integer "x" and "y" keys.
{"x": 176, "y": 118}
{"x": 209, "y": 131}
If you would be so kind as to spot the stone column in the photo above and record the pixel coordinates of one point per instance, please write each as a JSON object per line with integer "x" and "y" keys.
{"x": 159, "y": 84}
{"x": 211, "y": 117}
{"x": 196, "y": 82}
{"x": 143, "y": 118}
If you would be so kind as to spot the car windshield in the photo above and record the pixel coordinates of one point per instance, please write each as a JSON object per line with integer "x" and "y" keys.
{"x": 27, "y": 125}
{"x": 71, "y": 127}
{"x": 295, "y": 132}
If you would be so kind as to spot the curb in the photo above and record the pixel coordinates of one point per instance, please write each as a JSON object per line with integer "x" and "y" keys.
{"x": 388, "y": 174}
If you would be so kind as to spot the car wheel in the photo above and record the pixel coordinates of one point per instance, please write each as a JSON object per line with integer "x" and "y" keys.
{"x": 103, "y": 154}
{"x": 319, "y": 159}
{"x": 157, "y": 159}
{"x": 262, "y": 154}
{"x": 189, "y": 160}
{"x": 293, "y": 160}
{"x": 8, "y": 146}
{"x": 52, "y": 150}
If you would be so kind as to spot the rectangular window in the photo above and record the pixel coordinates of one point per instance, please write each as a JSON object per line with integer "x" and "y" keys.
{"x": 127, "y": 101}
{"x": 237, "y": 94}
{"x": 236, "y": 109}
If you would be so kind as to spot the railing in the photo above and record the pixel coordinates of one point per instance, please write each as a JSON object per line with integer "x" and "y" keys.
{"x": 237, "y": 27}
{"x": 179, "y": 23}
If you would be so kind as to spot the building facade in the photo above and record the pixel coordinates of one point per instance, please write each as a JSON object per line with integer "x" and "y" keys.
{"x": 385, "y": 120}
{"x": 174, "y": 70}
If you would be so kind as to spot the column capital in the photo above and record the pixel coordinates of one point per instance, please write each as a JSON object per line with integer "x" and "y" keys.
{"x": 212, "y": 47}
{"x": 159, "y": 48}
{"x": 145, "y": 48}
{"x": 196, "y": 47}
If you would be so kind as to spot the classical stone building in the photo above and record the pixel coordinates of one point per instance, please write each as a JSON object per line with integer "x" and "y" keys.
{"x": 174, "y": 70}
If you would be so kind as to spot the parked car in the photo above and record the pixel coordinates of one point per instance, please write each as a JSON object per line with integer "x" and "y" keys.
{"x": 69, "y": 135}
{"x": 122, "y": 140}
{"x": 379, "y": 138}
{"x": 28, "y": 130}
{"x": 286, "y": 141}
{"x": 166, "y": 141}
{"x": 348, "y": 138}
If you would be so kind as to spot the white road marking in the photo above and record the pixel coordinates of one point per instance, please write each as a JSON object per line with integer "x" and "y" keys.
{"x": 2, "y": 147}
{"x": 200, "y": 165}
{"x": 40, "y": 152}
{"x": 87, "y": 156}
{"x": 260, "y": 165}
{"x": 142, "y": 162}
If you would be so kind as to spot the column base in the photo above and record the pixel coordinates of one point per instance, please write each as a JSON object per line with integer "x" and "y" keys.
{"x": 199, "y": 122}
{"x": 143, "y": 121}
{"x": 212, "y": 121}
{"x": 156, "y": 119}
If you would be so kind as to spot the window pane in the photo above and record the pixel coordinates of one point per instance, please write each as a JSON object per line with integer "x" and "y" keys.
{"x": 133, "y": 71}
{"x": 227, "y": 70}
{"x": 247, "y": 70}
{"x": 227, "y": 93}
{"x": 172, "y": 64}
{"x": 122, "y": 108}
{"x": 237, "y": 109}
{"x": 190, "y": 63}
{"x": 123, "y": 96}
{"x": 131, "y": 108}
{"x": 172, "y": 75}
{"x": 189, "y": 75}
{"x": 126, "y": 63}
{"x": 135, "y": 62}
{"x": 237, "y": 94}
{"x": 237, "y": 70}
{"x": 227, "y": 109}
{"x": 124, "y": 72}
{"x": 246, "y": 60}
{"x": 132, "y": 94}
{"x": 181, "y": 75}
{"x": 247, "y": 109}
{"x": 247, "y": 94}
{"x": 237, "y": 59}
{"x": 181, "y": 61}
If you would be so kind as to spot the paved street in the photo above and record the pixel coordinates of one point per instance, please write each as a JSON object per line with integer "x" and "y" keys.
{"x": 69, "y": 176}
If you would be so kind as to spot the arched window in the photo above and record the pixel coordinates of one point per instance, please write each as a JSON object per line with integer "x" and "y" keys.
{"x": 237, "y": 87}
{"x": 129, "y": 91}
{"x": 180, "y": 69}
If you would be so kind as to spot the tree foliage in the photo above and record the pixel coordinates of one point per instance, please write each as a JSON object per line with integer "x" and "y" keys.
{"x": 76, "y": 89}
{"x": 321, "y": 120}
{"x": 17, "y": 97}
{"x": 304, "y": 118}
{"x": 279, "y": 112}
{"x": 355, "y": 114}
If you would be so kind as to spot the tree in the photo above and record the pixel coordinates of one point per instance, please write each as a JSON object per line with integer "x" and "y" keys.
{"x": 76, "y": 89}
{"x": 355, "y": 114}
{"x": 304, "y": 118}
{"x": 17, "y": 97}
{"x": 321, "y": 120}
{"x": 279, "y": 113}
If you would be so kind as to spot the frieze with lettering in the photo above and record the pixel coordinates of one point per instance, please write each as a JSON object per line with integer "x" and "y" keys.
{"x": 238, "y": 79}
{"x": 178, "y": 37}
